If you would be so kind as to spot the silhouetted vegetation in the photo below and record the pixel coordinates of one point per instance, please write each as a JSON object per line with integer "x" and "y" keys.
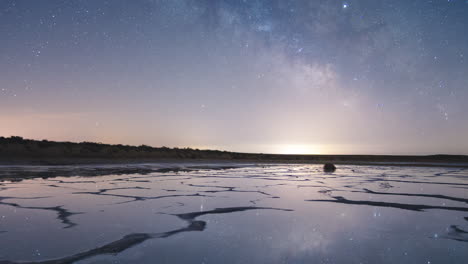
{"x": 18, "y": 149}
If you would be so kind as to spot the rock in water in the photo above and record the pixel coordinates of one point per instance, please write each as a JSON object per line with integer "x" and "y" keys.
{"x": 329, "y": 167}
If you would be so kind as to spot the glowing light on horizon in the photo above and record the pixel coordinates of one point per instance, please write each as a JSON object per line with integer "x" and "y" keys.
{"x": 297, "y": 149}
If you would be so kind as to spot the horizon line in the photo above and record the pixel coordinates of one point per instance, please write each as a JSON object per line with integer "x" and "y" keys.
{"x": 219, "y": 150}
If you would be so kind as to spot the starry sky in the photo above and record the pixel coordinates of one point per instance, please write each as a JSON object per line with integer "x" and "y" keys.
{"x": 270, "y": 76}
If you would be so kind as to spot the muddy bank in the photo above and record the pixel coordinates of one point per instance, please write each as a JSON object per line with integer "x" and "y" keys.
{"x": 19, "y": 151}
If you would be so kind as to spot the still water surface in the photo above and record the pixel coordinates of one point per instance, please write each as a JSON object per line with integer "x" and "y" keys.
{"x": 245, "y": 214}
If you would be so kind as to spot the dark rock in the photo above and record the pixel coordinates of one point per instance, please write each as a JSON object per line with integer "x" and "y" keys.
{"x": 329, "y": 167}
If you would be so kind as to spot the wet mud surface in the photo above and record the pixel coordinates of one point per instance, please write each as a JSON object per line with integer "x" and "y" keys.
{"x": 235, "y": 214}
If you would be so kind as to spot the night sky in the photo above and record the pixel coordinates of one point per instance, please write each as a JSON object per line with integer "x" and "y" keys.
{"x": 279, "y": 76}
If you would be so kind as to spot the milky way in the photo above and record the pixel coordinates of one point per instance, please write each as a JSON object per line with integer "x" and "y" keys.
{"x": 258, "y": 76}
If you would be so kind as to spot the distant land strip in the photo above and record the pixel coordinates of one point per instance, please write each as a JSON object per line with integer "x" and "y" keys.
{"x": 16, "y": 150}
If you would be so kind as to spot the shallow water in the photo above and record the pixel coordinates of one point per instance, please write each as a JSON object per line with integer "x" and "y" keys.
{"x": 251, "y": 214}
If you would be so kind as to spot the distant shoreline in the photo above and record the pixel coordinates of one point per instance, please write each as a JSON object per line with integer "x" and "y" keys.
{"x": 80, "y": 161}
{"x": 19, "y": 151}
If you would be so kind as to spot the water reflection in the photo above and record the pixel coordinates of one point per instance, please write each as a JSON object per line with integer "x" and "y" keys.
{"x": 257, "y": 214}
{"x": 62, "y": 214}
